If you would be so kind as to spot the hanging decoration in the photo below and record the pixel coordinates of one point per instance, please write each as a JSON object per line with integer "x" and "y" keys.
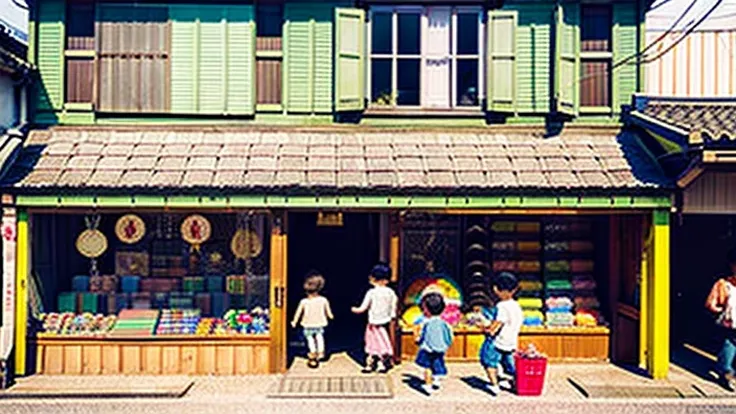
{"x": 92, "y": 243}
{"x": 246, "y": 243}
{"x": 130, "y": 229}
{"x": 196, "y": 230}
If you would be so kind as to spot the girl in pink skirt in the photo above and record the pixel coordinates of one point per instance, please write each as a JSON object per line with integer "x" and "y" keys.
{"x": 380, "y": 302}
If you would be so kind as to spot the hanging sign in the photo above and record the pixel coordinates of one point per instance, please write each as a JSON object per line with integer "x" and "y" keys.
{"x": 91, "y": 243}
{"x": 130, "y": 229}
{"x": 196, "y": 230}
{"x": 329, "y": 219}
{"x": 9, "y": 251}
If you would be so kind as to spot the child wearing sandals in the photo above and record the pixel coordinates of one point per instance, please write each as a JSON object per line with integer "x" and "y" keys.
{"x": 434, "y": 338}
{"x": 314, "y": 310}
{"x": 380, "y": 302}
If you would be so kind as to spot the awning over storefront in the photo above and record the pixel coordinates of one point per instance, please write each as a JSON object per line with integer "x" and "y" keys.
{"x": 334, "y": 167}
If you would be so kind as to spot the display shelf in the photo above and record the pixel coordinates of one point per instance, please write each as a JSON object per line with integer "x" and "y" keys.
{"x": 152, "y": 355}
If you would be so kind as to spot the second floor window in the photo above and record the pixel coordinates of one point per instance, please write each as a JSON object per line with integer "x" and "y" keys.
{"x": 595, "y": 57}
{"x": 425, "y": 57}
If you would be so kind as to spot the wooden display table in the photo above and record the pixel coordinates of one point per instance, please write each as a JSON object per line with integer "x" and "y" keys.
{"x": 559, "y": 344}
{"x": 162, "y": 354}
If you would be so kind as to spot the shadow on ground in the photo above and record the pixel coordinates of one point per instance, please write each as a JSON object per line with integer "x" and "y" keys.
{"x": 415, "y": 383}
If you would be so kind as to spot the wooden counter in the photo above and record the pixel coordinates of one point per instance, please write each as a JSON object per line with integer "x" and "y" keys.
{"x": 164, "y": 354}
{"x": 559, "y": 344}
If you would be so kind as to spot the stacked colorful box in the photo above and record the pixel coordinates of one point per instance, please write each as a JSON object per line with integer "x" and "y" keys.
{"x": 141, "y": 300}
{"x": 194, "y": 284}
{"x": 130, "y": 284}
{"x": 220, "y": 303}
{"x": 203, "y": 302}
{"x": 67, "y": 302}
{"x": 135, "y": 322}
{"x": 236, "y": 284}
{"x": 178, "y": 322}
{"x": 117, "y": 302}
{"x": 80, "y": 283}
{"x": 181, "y": 300}
{"x": 215, "y": 284}
{"x": 532, "y": 308}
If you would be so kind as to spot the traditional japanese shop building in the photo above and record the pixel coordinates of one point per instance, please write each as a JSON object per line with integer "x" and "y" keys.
{"x": 212, "y": 165}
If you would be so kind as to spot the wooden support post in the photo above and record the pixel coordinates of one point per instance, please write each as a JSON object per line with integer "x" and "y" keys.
{"x": 644, "y": 293}
{"x": 278, "y": 306}
{"x": 21, "y": 292}
{"x": 658, "y": 292}
{"x": 393, "y": 256}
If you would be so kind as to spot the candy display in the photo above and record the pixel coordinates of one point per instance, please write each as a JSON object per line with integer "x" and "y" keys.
{"x": 178, "y": 322}
{"x": 135, "y": 322}
{"x": 85, "y": 324}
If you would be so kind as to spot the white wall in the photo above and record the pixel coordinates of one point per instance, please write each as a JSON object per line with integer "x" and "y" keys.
{"x": 703, "y": 64}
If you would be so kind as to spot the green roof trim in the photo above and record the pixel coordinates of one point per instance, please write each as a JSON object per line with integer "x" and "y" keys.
{"x": 347, "y": 202}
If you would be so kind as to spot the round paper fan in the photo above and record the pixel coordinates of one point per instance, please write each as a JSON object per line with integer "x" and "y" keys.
{"x": 450, "y": 289}
{"x": 412, "y": 315}
{"x": 413, "y": 293}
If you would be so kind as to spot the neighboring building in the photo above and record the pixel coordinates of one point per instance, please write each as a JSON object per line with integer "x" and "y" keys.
{"x": 702, "y": 63}
{"x": 447, "y": 139}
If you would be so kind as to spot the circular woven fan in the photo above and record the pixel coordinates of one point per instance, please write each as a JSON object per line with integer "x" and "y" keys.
{"x": 130, "y": 228}
{"x": 196, "y": 229}
{"x": 91, "y": 243}
{"x": 246, "y": 244}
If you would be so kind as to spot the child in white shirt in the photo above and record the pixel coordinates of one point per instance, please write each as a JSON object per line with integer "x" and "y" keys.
{"x": 380, "y": 302}
{"x": 314, "y": 310}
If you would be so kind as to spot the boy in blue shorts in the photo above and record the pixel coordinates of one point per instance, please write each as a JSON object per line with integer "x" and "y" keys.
{"x": 502, "y": 331}
{"x": 434, "y": 338}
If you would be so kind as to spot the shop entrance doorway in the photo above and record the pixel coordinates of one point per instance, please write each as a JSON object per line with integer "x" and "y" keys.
{"x": 344, "y": 255}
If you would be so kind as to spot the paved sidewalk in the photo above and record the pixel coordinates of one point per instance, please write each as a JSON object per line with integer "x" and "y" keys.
{"x": 248, "y": 394}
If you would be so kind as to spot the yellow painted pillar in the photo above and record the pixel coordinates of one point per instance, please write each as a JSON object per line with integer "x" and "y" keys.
{"x": 658, "y": 292}
{"x": 644, "y": 294}
{"x": 21, "y": 293}
{"x": 278, "y": 308}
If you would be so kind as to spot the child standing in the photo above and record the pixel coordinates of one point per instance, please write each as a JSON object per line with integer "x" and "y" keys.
{"x": 380, "y": 302}
{"x": 435, "y": 337}
{"x": 502, "y": 332}
{"x": 314, "y": 310}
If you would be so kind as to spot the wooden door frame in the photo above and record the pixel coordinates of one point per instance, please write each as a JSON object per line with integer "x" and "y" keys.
{"x": 278, "y": 294}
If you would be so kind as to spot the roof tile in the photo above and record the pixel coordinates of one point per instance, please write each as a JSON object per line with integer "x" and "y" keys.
{"x": 255, "y": 178}
{"x": 118, "y": 149}
{"x": 468, "y": 164}
{"x": 522, "y": 150}
{"x": 351, "y": 151}
{"x": 176, "y": 150}
{"x": 562, "y": 179}
{"x": 352, "y": 179}
{"x": 443, "y": 179}
{"x": 210, "y": 150}
{"x": 503, "y": 179}
{"x": 350, "y": 140}
{"x": 497, "y": 164}
{"x": 382, "y": 179}
{"x": 595, "y": 179}
{"x": 74, "y": 178}
{"x": 532, "y": 179}
{"x": 42, "y": 178}
{"x": 52, "y": 162}
{"x": 526, "y": 164}
{"x": 321, "y": 164}
{"x": 292, "y": 163}
{"x": 464, "y": 151}
{"x": 413, "y": 163}
{"x": 112, "y": 163}
{"x": 413, "y": 179}
{"x": 88, "y": 148}
{"x": 378, "y": 151}
{"x": 60, "y": 148}
{"x": 556, "y": 163}
{"x": 292, "y": 178}
{"x": 380, "y": 164}
{"x": 264, "y": 150}
{"x": 435, "y": 150}
{"x": 493, "y": 151}
{"x": 142, "y": 150}
{"x": 83, "y": 162}
{"x": 141, "y": 163}
{"x": 471, "y": 178}
{"x": 293, "y": 150}
{"x": 262, "y": 163}
{"x": 615, "y": 164}
{"x": 166, "y": 178}
{"x": 126, "y": 137}
{"x": 622, "y": 178}
{"x": 232, "y": 163}
{"x": 134, "y": 178}
{"x": 202, "y": 163}
{"x": 352, "y": 164}
{"x": 322, "y": 150}
{"x": 105, "y": 178}
{"x": 228, "y": 178}
{"x": 550, "y": 149}
{"x": 198, "y": 178}
{"x": 579, "y": 150}
{"x": 171, "y": 163}
{"x": 322, "y": 178}
{"x": 407, "y": 150}
{"x": 439, "y": 163}
{"x": 237, "y": 149}
{"x": 585, "y": 164}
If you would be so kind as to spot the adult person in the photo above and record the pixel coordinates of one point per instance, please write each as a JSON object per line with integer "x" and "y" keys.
{"x": 722, "y": 301}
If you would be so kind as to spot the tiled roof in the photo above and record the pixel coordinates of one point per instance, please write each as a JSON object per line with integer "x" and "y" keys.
{"x": 281, "y": 161}
{"x": 706, "y": 119}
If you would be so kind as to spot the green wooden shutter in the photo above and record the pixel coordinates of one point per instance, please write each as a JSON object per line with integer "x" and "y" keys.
{"x": 184, "y": 57}
{"x": 240, "y": 60}
{"x": 299, "y": 53}
{"x": 501, "y": 57}
{"x": 323, "y": 57}
{"x": 212, "y": 53}
{"x": 50, "y": 90}
{"x": 624, "y": 46}
{"x": 567, "y": 68}
{"x": 308, "y": 57}
{"x": 349, "y": 58}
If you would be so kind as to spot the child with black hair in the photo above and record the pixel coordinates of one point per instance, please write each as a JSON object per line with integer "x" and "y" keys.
{"x": 434, "y": 339}
{"x": 381, "y": 303}
{"x": 314, "y": 310}
{"x": 502, "y": 332}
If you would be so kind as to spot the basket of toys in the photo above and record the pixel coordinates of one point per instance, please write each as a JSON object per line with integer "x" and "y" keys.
{"x": 531, "y": 367}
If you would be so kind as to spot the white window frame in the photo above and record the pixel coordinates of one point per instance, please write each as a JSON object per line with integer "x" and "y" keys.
{"x": 424, "y": 55}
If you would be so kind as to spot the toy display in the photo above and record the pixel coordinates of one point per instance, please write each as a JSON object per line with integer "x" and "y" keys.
{"x": 85, "y": 324}
{"x": 178, "y": 322}
{"x": 135, "y": 322}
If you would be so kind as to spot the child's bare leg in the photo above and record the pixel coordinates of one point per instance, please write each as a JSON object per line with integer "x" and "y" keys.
{"x": 492, "y": 374}
{"x": 428, "y": 376}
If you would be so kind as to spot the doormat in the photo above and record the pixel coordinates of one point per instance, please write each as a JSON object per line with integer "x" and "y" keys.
{"x": 333, "y": 387}
{"x": 42, "y": 386}
{"x": 629, "y": 391}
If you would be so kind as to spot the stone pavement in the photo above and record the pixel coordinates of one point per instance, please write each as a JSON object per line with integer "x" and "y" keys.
{"x": 247, "y": 394}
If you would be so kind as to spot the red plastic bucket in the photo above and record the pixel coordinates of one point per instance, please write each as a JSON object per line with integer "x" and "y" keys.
{"x": 530, "y": 374}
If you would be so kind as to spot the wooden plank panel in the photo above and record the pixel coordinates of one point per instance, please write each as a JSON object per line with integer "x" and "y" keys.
{"x": 243, "y": 360}
{"x": 189, "y": 360}
{"x": 92, "y": 359}
{"x": 206, "y": 360}
{"x": 225, "y": 363}
{"x": 171, "y": 363}
{"x": 54, "y": 361}
{"x": 408, "y": 346}
{"x": 131, "y": 363}
{"x": 260, "y": 359}
{"x": 268, "y": 82}
{"x": 111, "y": 359}
{"x": 151, "y": 361}
{"x": 40, "y": 353}
{"x": 473, "y": 343}
{"x": 457, "y": 349}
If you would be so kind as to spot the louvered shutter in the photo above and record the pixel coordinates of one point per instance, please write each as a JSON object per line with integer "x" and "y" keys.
{"x": 567, "y": 67}
{"x": 624, "y": 46}
{"x": 349, "y": 58}
{"x": 240, "y": 60}
{"x": 298, "y": 55}
{"x": 50, "y": 59}
{"x": 501, "y": 56}
{"x": 212, "y": 55}
{"x": 184, "y": 51}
